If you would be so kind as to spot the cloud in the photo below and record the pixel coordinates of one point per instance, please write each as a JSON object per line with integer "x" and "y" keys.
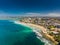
{"x": 44, "y": 15}
{"x": 32, "y": 14}
{"x": 2, "y": 13}
{"x": 7, "y": 14}
{"x": 54, "y": 14}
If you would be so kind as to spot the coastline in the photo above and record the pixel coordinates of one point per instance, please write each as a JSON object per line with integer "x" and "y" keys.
{"x": 38, "y": 29}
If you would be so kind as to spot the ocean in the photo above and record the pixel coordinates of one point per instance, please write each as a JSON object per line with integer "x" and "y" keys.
{"x": 16, "y": 34}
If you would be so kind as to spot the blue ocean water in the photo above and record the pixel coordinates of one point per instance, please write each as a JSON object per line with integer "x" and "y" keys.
{"x": 15, "y": 34}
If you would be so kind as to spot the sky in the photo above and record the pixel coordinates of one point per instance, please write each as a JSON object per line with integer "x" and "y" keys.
{"x": 30, "y": 7}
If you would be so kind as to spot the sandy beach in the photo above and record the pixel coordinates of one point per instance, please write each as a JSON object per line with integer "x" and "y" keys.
{"x": 41, "y": 28}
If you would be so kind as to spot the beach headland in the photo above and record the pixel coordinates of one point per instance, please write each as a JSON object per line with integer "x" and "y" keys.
{"x": 37, "y": 30}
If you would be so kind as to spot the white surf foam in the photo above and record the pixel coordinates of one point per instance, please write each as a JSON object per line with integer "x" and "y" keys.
{"x": 39, "y": 36}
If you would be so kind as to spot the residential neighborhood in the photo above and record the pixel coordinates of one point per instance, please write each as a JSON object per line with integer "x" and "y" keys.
{"x": 51, "y": 24}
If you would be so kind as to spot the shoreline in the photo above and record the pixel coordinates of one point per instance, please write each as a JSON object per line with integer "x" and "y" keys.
{"x": 36, "y": 29}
